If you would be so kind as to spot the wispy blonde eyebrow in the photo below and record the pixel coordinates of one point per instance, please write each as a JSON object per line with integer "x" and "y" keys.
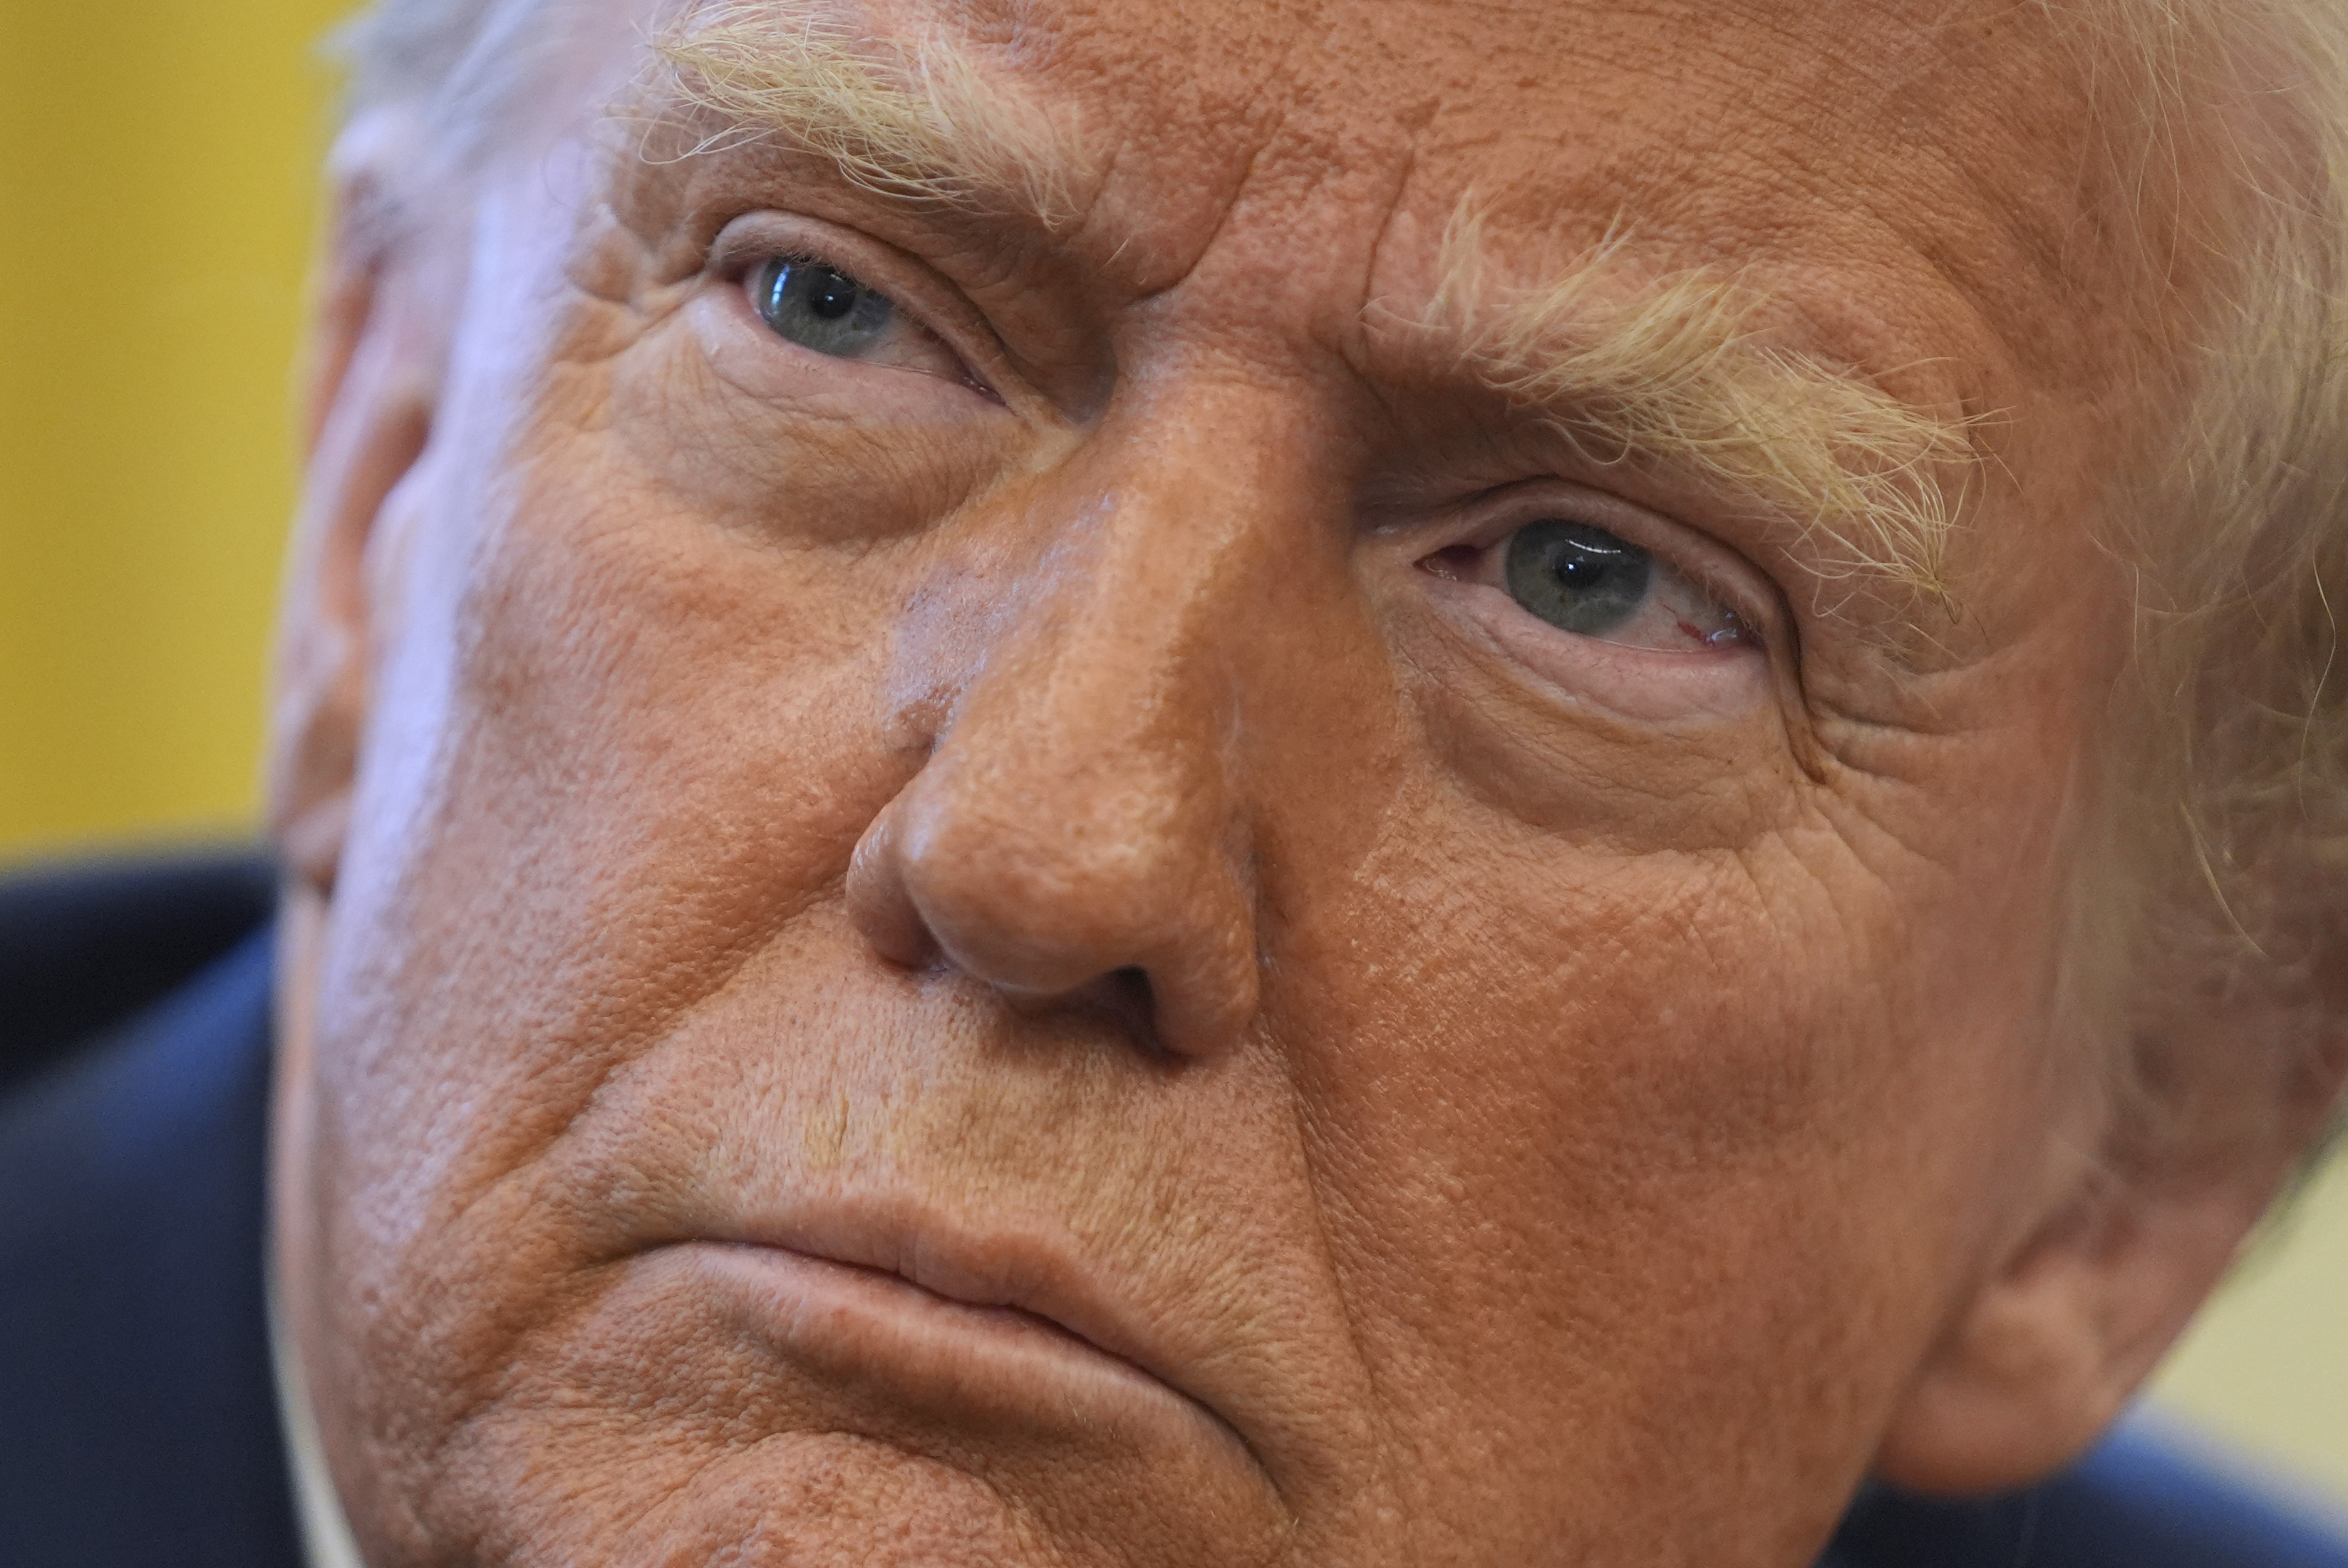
{"x": 1674, "y": 370}
{"x": 909, "y": 118}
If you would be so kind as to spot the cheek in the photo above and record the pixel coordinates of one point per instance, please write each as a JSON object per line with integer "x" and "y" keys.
{"x": 657, "y": 745}
{"x": 1602, "y": 1121}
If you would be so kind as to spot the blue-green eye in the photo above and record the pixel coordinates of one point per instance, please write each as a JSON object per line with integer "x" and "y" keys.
{"x": 821, "y": 308}
{"x": 1576, "y": 578}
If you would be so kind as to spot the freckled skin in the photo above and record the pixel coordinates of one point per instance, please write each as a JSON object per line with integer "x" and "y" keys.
{"x": 1534, "y": 1109}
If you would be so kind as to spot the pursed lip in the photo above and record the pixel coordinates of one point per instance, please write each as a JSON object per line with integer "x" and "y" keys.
{"x": 1003, "y": 1321}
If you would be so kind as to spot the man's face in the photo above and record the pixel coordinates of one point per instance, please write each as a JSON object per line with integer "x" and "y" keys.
{"x": 1048, "y": 887}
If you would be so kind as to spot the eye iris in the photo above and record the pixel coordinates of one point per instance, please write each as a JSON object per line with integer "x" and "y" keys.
{"x": 821, "y": 308}
{"x": 1578, "y": 577}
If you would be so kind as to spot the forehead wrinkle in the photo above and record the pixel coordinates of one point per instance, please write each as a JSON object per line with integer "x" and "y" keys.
{"x": 1674, "y": 370}
{"x": 910, "y": 117}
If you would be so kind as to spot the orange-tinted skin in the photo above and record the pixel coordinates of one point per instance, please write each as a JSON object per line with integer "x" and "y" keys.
{"x": 1431, "y": 1088}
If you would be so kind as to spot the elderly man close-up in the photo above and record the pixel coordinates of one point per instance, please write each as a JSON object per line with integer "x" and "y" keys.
{"x": 1364, "y": 781}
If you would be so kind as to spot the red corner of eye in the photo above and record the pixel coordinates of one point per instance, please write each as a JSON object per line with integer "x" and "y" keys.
{"x": 1454, "y": 563}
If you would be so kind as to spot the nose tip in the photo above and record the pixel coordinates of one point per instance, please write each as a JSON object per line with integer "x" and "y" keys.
{"x": 1062, "y": 912}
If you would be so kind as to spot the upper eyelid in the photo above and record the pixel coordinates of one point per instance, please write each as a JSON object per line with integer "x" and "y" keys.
{"x": 1667, "y": 542}
{"x": 754, "y": 236}
{"x": 1491, "y": 518}
{"x": 739, "y": 258}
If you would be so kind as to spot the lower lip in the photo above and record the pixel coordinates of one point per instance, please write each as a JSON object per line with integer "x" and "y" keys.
{"x": 858, "y": 1325}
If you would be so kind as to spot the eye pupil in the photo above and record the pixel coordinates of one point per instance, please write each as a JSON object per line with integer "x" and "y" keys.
{"x": 1578, "y": 577}
{"x": 831, "y": 295}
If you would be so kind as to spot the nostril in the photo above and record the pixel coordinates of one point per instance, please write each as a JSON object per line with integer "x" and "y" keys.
{"x": 1126, "y": 994}
{"x": 1123, "y": 998}
{"x": 1131, "y": 986}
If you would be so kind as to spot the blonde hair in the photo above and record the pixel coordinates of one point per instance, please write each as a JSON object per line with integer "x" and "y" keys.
{"x": 2227, "y": 769}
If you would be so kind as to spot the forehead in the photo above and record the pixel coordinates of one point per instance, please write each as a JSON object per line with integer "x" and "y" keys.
{"x": 1941, "y": 149}
{"x": 1589, "y": 104}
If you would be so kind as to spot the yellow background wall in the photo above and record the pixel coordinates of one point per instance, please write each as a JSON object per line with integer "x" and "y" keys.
{"x": 157, "y": 165}
{"x": 157, "y": 184}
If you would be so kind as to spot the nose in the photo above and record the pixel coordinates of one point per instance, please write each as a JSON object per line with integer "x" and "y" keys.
{"x": 1081, "y": 832}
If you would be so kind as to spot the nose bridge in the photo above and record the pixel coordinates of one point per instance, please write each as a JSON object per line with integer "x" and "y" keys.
{"x": 1084, "y": 812}
{"x": 1125, "y": 640}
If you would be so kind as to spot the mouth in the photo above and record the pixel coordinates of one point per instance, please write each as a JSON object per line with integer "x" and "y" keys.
{"x": 991, "y": 1327}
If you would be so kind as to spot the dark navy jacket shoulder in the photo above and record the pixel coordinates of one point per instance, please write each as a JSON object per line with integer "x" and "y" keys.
{"x": 138, "y": 1418}
{"x": 138, "y": 1415}
{"x": 2137, "y": 1502}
